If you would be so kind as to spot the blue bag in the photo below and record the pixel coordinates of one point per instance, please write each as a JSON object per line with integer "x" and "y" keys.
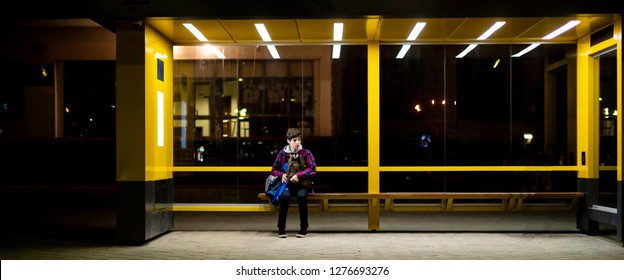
{"x": 274, "y": 187}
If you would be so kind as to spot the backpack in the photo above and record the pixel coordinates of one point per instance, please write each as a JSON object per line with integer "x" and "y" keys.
{"x": 273, "y": 187}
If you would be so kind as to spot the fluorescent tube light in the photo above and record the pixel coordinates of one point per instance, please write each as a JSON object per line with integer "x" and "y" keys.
{"x": 416, "y": 31}
{"x": 336, "y": 52}
{"x": 263, "y": 32}
{"x": 160, "y": 119}
{"x": 273, "y": 51}
{"x": 412, "y": 36}
{"x": 195, "y": 32}
{"x": 562, "y": 29}
{"x": 492, "y": 29}
{"x": 526, "y": 50}
{"x": 466, "y": 51}
{"x": 403, "y": 51}
{"x": 267, "y": 38}
{"x": 338, "y": 29}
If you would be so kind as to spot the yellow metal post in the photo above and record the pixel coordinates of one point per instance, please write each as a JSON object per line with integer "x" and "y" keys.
{"x": 373, "y": 126}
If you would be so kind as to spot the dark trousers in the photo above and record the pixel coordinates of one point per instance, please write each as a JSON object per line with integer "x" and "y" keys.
{"x": 284, "y": 203}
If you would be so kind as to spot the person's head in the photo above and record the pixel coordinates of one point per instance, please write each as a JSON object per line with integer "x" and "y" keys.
{"x": 293, "y": 136}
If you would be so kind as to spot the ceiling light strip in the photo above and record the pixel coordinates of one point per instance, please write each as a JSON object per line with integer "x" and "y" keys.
{"x": 215, "y": 51}
{"x": 264, "y": 33}
{"x": 203, "y": 38}
{"x": 273, "y": 51}
{"x": 403, "y": 51}
{"x": 497, "y": 25}
{"x": 195, "y": 32}
{"x": 526, "y": 50}
{"x": 412, "y": 36}
{"x": 553, "y": 34}
{"x": 416, "y": 31}
{"x": 466, "y": 51}
{"x": 336, "y": 51}
{"x": 338, "y": 30}
{"x": 562, "y": 29}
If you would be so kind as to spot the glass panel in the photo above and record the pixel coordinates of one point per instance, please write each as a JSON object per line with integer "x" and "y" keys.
{"x": 608, "y": 129}
{"x": 485, "y": 108}
{"x": 484, "y": 126}
{"x": 236, "y": 111}
{"x": 559, "y": 104}
{"x": 608, "y": 109}
{"x": 349, "y": 87}
{"x": 414, "y": 106}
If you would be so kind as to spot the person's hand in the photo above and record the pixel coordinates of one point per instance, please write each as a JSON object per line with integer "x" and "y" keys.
{"x": 294, "y": 179}
{"x": 284, "y": 178}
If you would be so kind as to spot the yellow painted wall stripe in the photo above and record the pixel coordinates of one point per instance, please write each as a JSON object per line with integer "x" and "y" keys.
{"x": 387, "y": 168}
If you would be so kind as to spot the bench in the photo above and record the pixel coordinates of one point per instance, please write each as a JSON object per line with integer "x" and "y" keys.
{"x": 444, "y": 201}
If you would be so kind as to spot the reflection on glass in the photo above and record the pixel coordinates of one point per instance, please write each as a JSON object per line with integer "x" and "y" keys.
{"x": 475, "y": 110}
{"x": 608, "y": 108}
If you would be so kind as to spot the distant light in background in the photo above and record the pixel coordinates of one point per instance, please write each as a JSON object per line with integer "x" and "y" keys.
{"x": 496, "y": 63}
{"x": 528, "y": 138}
{"x": 44, "y": 74}
{"x": 417, "y": 108}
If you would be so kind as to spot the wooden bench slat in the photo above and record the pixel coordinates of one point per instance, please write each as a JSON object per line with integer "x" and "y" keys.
{"x": 441, "y": 195}
{"x": 501, "y": 201}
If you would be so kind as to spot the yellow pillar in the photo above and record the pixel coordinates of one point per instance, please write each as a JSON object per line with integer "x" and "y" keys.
{"x": 587, "y": 111}
{"x": 144, "y": 132}
{"x": 373, "y": 133}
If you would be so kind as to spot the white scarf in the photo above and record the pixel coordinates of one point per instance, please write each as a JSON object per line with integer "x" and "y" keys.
{"x": 287, "y": 149}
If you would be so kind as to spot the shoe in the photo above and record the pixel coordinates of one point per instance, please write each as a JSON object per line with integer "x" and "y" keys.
{"x": 282, "y": 234}
{"x": 302, "y": 233}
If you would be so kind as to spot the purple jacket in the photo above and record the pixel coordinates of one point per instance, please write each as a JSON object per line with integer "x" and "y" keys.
{"x": 284, "y": 155}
